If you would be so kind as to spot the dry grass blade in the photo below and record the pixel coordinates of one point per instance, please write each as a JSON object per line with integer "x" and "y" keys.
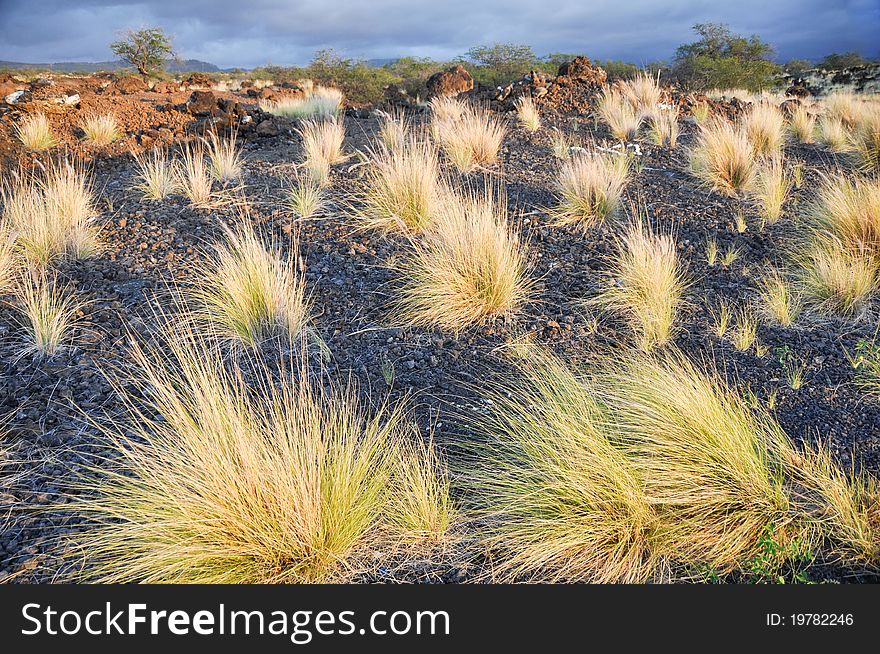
{"x": 802, "y": 125}
{"x": 322, "y": 146}
{"x": 664, "y": 127}
{"x": 473, "y": 139}
{"x": 771, "y": 188}
{"x": 306, "y": 197}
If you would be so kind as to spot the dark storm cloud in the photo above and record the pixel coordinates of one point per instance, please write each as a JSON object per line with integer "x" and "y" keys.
{"x": 251, "y": 33}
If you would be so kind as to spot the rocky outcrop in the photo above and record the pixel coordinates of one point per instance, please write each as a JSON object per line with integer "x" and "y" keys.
{"x": 582, "y": 70}
{"x": 818, "y": 82}
{"x": 130, "y": 84}
{"x": 450, "y": 82}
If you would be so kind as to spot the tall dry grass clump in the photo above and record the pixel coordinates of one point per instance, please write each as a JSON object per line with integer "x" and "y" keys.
{"x": 273, "y": 480}
{"x": 156, "y": 175}
{"x": 802, "y": 125}
{"x": 35, "y": 132}
{"x": 306, "y": 197}
{"x": 665, "y": 128}
{"x": 723, "y": 158}
{"x": 866, "y": 140}
{"x": 589, "y": 188}
{"x": 844, "y": 106}
{"x": 649, "y": 466}
{"x": 555, "y": 498}
{"x": 194, "y": 177}
{"x": 248, "y": 292}
{"x": 836, "y": 279}
{"x": 52, "y": 214}
{"x": 722, "y": 476}
{"x": 771, "y": 187}
{"x": 470, "y": 268}
{"x": 834, "y": 134}
{"x": 779, "y": 301}
{"x": 322, "y": 147}
{"x": 403, "y": 188}
{"x": 471, "y": 140}
{"x": 8, "y": 263}
{"x": 48, "y": 312}
{"x": 841, "y": 260}
{"x": 446, "y": 108}
{"x": 644, "y": 93}
{"x": 618, "y": 113}
{"x": 647, "y": 286}
{"x": 764, "y": 126}
{"x": 394, "y": 129}
{"x": 100, "y": 129}
{"x": 849, "y": 208}
{"x": 224, "y": 157}
{"x": 528, "y": 113}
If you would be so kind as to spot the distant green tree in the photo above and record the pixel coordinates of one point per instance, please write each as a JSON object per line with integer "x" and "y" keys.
{"x": 722, "y": 59}
{"x": 796, "y": 66}
{"x": 360, "y": 82}
{"x": 502, "y": 62}
{"x": 147, "y": 49}
{"x": 839, "y": 61}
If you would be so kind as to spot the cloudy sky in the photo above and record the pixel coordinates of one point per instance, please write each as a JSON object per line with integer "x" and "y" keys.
{"x": 250, "y": 33}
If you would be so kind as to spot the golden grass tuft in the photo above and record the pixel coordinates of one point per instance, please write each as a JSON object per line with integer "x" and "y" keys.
{"x": 619, "y": 114}
{"x": 844, "y": 106}
{"x": 470, "y": 268}
{"x": 52, "y": 214}
{"x": 100, "y": 129}
{"x": 403, "y": 188}
{"x": 644, "y": 93}
{"x": 248, "y": 293}
{"x": 306, "y": 197}
{"x": 834, "y": 134}
{"x": 802, "y": 125}
{"x": 836, "y": 279}
{"x": 35, "y": 133}
{"x": 156, "y": 173}
{"x": 8, "y": 263}
{"x": 764, "y": 126}
{"x": 224, "y": 157}
{"x": 528, "y": 113}
{"x": 49, "y": 314}
{"x": 771, "y": 187}
{"x": 665, "y": 128}
{"x": 649, "y": 466}
{"x": 194, "y": 177}
{"x": 723, "y": 158}
{"x": 555, "y": 498}
{"x": 778, "y": 300}
{"x": 322, "y": 147}
{"x": 849, "y": 209}
{"x": 589, "y": 188}
{"x": 394, "y": 129}
{"x": 446, "y": 108}
{"x": 647, "y": 286}
{"x": 866, "y": 140}
{"x": 273, "y": 480}
{"x": 472, "y": 140}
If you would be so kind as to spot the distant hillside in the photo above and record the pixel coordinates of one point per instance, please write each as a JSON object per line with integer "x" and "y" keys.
{"x": 173, "y": 66}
